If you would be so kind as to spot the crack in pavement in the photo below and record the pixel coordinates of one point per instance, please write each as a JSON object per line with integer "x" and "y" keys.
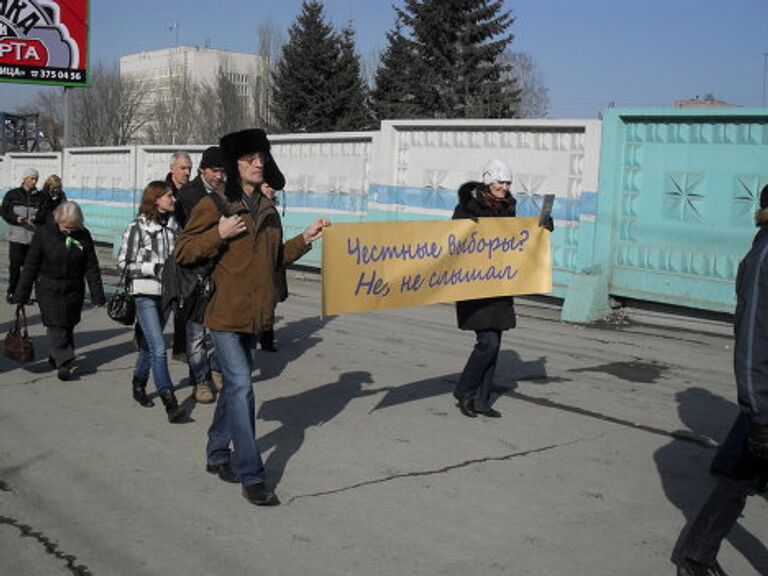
{"x": 682, "y": 435}
{"x": 50, "y": 547}
{"x": 449, "y": 468}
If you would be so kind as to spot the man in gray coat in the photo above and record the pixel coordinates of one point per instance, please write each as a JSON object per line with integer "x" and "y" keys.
{"x": 21, "y": 209}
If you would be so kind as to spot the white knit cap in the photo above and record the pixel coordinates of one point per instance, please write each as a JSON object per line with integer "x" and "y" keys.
{"x": 496, "y": 171}
{"x": 29, "y": 172}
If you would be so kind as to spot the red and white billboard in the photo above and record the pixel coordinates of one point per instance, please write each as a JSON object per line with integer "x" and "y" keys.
{"x": 44, "y": 41}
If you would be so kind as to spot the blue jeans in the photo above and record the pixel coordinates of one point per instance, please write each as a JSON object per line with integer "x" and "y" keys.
{"x": 235, "y": 416}
{"x": 152, "y": 344}
{"x": 476, "y": 381}
{"x": 200, "y": 352}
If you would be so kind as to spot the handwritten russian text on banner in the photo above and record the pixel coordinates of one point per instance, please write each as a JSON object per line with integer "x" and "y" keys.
{"x": 382, "y": 265}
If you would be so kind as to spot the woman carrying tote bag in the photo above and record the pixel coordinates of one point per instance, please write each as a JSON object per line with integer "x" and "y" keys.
{"x": 61, "y": 259}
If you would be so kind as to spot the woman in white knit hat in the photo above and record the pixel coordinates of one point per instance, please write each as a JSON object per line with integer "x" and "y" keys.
{"x": 487, "y": 317}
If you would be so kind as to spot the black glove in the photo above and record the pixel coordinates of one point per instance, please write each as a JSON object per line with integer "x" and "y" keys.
{"x": 758, "y": 441}
{"x": 548, "y": 223}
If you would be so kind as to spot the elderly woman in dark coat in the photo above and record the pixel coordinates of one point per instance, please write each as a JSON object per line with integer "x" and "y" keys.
{"x": 488, "y": 317}
{"x": 61, "y": 259}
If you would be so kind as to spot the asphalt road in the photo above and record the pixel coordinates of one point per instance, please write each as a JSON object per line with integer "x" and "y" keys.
{"x": 600, "y": 456}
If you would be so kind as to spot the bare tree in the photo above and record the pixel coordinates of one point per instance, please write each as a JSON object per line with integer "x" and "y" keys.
{"x": 48, "y": 104}
{"x": 129, "y": 118}
{"x": 172, "y": 113}
{"x": 270, "y": 41}
{"x": 534, "y": 94}
{"x": 108, "y": 112}
{"x": 231, "y": 109}
{"x": 205, "y": 129}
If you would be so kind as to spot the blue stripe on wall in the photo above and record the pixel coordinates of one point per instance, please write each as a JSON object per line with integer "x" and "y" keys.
{"x": 588, "y": 204}
{"x": 564, "y": 209}
{"x": 122, "y": 195}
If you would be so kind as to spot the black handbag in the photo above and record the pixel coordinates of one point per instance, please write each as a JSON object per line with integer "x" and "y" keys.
{"x": 18, "y": 344}
{"x": 120, "y": 306}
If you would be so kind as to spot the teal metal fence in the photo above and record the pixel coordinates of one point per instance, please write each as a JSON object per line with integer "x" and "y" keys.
{"x": 677, "y": 195}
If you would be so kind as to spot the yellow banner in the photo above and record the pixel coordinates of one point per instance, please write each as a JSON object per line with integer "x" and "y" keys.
{"x": 380, "y": 265}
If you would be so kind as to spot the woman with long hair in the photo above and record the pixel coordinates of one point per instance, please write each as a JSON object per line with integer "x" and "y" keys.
{"x": 54, "y": 195}
{"x": 147, "y": 242}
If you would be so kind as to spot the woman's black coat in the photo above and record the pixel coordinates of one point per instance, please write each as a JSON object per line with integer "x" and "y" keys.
{"x": 59, "y": 274}
{"x": 497, "y": 313}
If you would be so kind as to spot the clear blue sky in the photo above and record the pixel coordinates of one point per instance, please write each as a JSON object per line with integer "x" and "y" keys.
{"x": 590, "y": 52}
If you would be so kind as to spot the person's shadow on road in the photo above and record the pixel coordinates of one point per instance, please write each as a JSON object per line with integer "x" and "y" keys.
{"x": 294, "y": 339}
{"x": 299, "y": 412}
{"x": 684, "y": 466}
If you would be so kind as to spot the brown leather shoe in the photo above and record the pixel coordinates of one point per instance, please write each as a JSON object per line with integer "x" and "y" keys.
{"x": 203, "y": 394}
{"x": 218, "y": 381}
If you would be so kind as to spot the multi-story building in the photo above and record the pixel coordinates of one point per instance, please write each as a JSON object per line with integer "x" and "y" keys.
{"x": 161, "y": 73}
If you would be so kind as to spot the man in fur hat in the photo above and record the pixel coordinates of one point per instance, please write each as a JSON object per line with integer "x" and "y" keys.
{"x": 247, "y": 241}
{"x": 742, "y": 462}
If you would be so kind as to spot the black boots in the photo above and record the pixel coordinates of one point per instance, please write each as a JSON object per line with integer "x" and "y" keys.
{"x": 267, "y": 341}
{"x": 140, "y": 394}
{"x": 175, "y": 412}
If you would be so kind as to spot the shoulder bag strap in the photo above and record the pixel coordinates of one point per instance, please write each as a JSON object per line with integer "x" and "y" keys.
{"x": 221, "y": 206}
{"x": 128, "y": 257}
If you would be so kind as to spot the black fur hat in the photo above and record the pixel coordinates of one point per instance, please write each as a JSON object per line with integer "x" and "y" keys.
{"x": 764, "y": 198}
{"x": 238, "y": 144}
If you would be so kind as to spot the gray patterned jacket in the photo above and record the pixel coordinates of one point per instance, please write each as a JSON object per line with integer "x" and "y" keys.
{"x": 152, "y": 243}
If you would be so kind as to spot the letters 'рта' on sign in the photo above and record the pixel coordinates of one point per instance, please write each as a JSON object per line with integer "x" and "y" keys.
{"x": 380, "y": 265}
{"x": 44, "y": 42}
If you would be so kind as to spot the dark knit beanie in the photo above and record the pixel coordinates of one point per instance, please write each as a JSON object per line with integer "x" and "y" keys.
{"x": 212, "y": 158}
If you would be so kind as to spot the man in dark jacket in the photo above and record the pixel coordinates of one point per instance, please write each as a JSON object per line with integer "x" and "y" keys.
{"x": 742, "y": 463}
{"x": 203, "y": 368}
{"x": 180, "y": 169}
{"x": 210, "y": 178}
{"x": 22, "y": 210}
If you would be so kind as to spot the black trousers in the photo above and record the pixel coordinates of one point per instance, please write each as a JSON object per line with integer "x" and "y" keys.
{"x": 61, "y": 344}
{"x": 476, "y": 380}
{"x": 716, "y": 518}
{"x": 179, "y": 331}
{"x": 17, "y": 253}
